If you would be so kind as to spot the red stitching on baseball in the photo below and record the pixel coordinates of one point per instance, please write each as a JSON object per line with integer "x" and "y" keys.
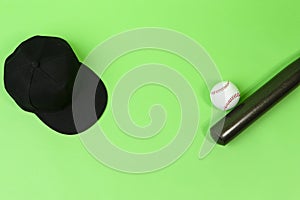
{"x": 236, "y": 95}
{"x": 221, "y": 89}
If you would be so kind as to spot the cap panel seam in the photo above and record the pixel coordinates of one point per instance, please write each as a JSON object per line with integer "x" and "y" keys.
{"x": 30, "y": 84}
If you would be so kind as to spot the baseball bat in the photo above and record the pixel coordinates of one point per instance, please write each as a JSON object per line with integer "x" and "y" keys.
{"x": 256, "y": 104}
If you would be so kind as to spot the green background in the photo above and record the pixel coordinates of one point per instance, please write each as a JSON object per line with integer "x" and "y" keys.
{"x": 248, "y": 40}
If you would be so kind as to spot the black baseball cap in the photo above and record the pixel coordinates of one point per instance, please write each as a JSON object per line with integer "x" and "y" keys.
{"x": 40, "y": 76}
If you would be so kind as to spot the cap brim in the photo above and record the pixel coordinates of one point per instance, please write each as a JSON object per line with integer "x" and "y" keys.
{"x": 88, "y": 104}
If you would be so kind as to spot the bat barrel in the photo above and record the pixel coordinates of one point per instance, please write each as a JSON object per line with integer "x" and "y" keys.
{"x": 256, "y": 104}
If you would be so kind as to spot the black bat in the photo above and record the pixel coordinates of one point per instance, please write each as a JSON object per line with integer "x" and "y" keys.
{"x": 257, "y": 104}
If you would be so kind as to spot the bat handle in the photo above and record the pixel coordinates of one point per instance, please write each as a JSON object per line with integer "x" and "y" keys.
{"x": 256, "y": 104}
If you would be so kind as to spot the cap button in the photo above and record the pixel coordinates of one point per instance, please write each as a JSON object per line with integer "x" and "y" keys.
{"x": 35, "y": 64}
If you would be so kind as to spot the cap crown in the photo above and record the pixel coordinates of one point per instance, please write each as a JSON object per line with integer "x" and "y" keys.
{"x": 40, "y": 74}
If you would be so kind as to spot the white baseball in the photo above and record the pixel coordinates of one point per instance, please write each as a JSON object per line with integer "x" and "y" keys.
{"x": 224, "y": 95}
